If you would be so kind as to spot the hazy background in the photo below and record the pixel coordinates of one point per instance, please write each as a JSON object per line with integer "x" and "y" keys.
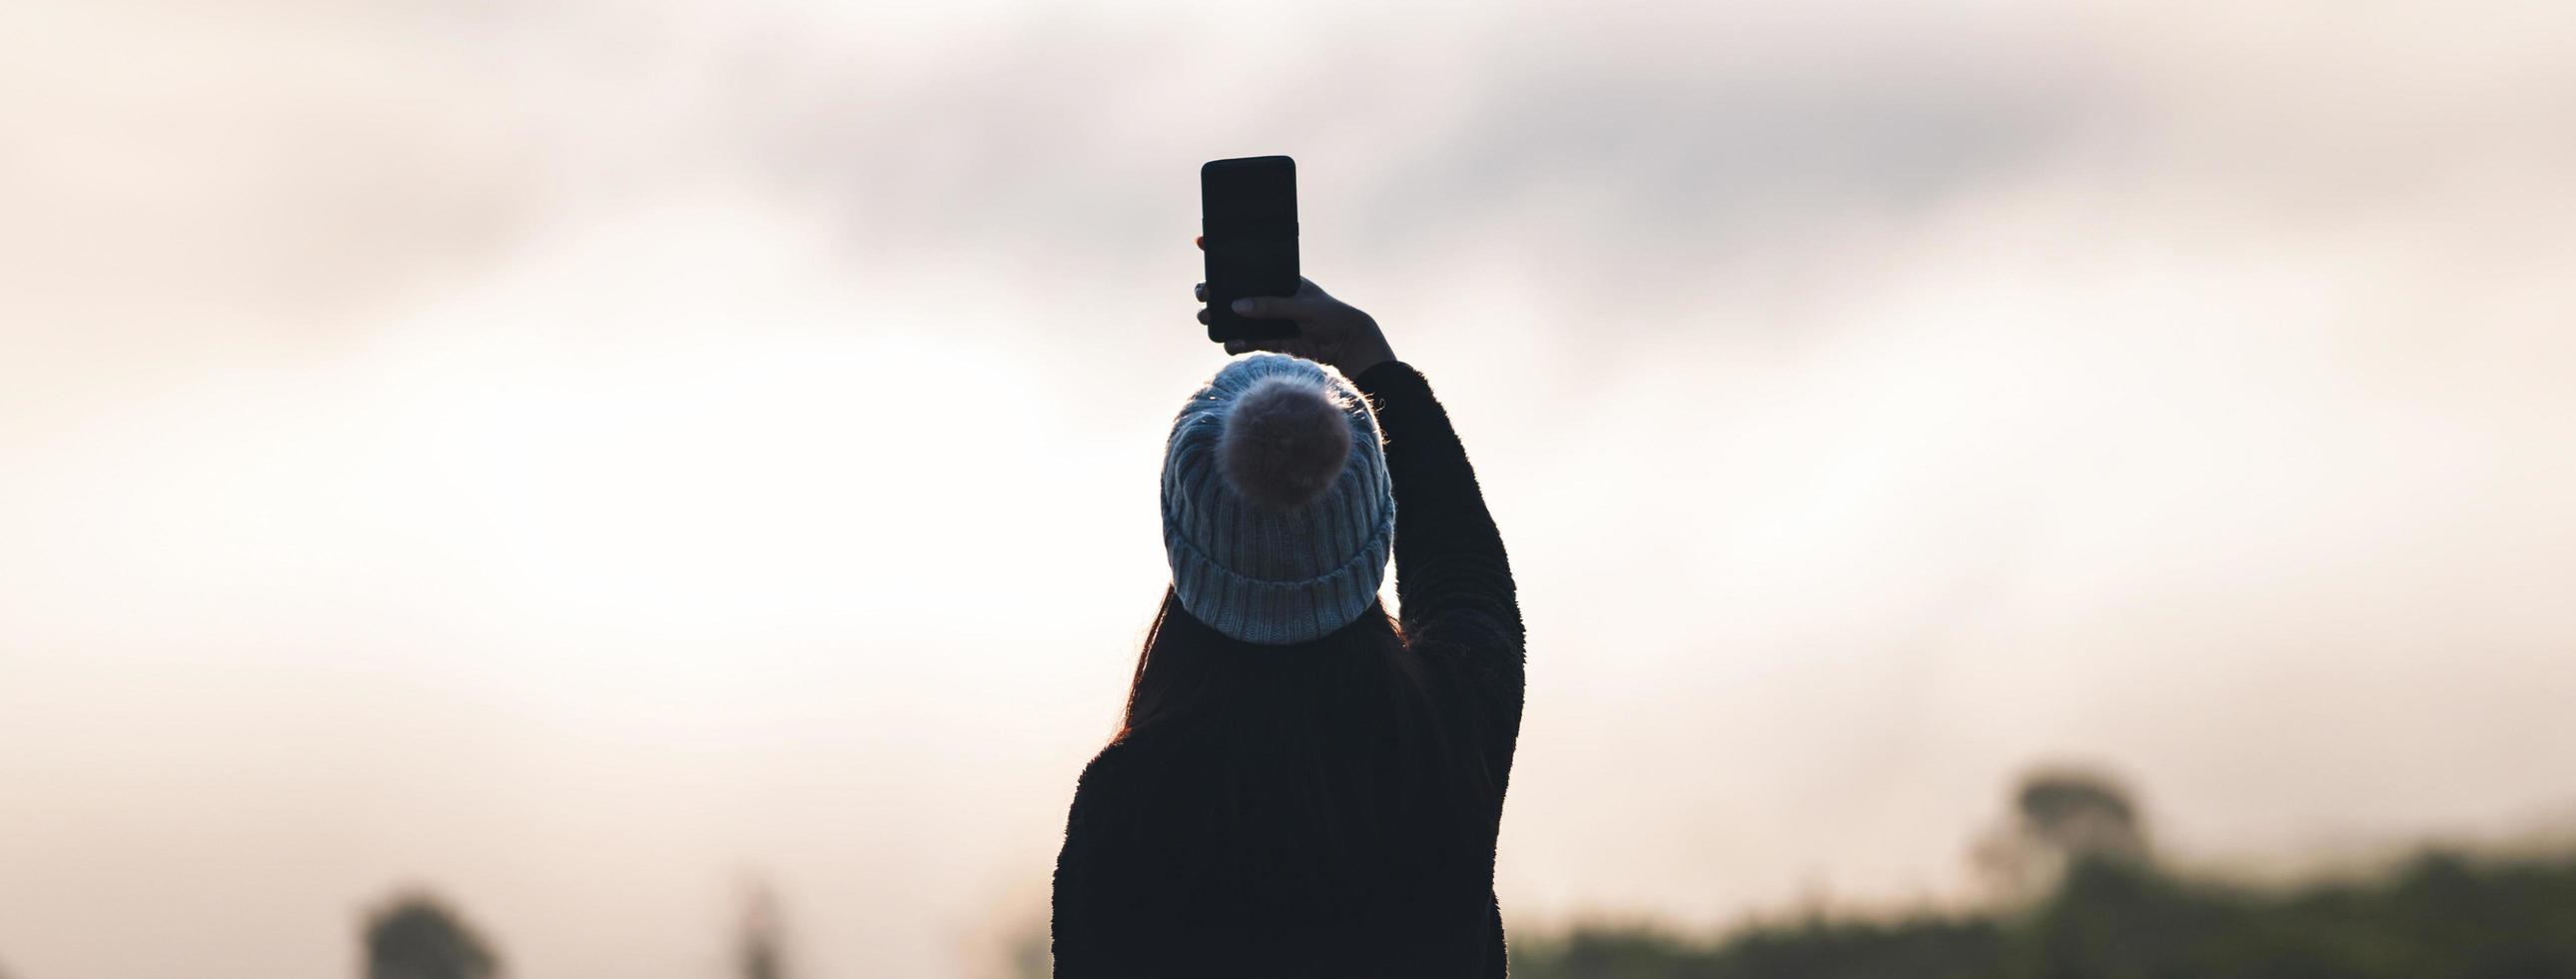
{"x": 579, "y": 456}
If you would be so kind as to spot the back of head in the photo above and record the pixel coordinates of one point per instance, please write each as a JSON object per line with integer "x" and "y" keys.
{"x": 1278, "y": 517}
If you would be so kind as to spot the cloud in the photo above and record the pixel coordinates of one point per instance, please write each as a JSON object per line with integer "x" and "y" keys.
{"x": 1885, "y": 394}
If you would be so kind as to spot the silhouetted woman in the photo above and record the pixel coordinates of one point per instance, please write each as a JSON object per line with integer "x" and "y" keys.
{"x": 1302, "y": 786}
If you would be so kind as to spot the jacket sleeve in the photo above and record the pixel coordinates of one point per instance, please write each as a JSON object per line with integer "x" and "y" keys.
{"x": 1453, "y": 582}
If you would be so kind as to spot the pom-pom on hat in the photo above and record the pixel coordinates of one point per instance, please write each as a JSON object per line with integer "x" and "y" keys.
{"x": 1277, "y": 513}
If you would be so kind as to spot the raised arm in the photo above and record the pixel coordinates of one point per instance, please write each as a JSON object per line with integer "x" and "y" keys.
{"x": 1453, "y": 579}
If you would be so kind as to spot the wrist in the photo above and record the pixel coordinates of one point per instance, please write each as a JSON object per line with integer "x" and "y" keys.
{"x": 1373, "y": 375}
{"x": 1367, "y": 348}
{"x": 1361, "y": 361}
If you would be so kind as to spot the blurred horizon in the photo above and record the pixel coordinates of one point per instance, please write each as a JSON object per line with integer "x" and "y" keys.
{"x": 571, "y": 455}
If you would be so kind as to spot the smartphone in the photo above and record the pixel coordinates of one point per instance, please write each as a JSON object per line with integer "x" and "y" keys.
{"x": 1248, "y": 216}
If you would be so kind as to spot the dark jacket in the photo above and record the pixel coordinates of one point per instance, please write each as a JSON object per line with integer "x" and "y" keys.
{"x": 1175, "y": 862}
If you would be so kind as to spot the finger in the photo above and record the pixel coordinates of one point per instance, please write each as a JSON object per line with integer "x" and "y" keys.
{"x": 1202, "y": 317}
{"x": 1200, "y": 291}
{"x": 1276, "y": 345}
{"x": 1200, "y": 241}
{"x": 1275, "y": 307}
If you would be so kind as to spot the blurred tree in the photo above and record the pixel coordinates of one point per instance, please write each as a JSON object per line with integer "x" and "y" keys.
{"x": 416, "y": 937}
{"x": 1032, "y": 955}
{"x": 2442, "y": 916}
{"x": 2060, "y": 816}
{"x": 2084, "y": 813}
{"x": 760, "y": 951}
{"x": 2108, "y": 912}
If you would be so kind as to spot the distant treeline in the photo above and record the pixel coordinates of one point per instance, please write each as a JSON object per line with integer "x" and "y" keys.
{"x": 2440, "y": 916}
{"x": 2076, "y": 892}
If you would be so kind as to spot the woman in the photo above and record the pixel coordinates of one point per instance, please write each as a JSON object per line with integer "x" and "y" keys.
{"x": 1302, "y": 786}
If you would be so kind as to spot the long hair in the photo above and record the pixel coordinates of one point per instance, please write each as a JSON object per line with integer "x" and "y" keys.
{"x": 1321, "y": 785}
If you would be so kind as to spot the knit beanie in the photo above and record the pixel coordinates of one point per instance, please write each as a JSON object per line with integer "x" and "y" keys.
{"x": 1277, "y": 513}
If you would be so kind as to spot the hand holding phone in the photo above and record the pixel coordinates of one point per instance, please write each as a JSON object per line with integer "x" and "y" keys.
{"x": 1329, "y": 331}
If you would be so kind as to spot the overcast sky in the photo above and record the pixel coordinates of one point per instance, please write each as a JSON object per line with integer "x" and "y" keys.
{"x": 580, "y": 456}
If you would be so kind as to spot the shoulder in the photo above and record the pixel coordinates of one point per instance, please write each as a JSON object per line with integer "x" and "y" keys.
{"x": 1466, "y": 637}
{"x": 1101, "y": 801}
{"x": 1482, "y": 656}
{"x": 1111, "y": 776}
{"x": 1105, "y": 768}
{"x": 1474, "y": 623}
{"x": 1114, "y": 810}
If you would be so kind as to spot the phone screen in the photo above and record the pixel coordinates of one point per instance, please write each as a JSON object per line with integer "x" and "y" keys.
{"x": 1248, "y": 216}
